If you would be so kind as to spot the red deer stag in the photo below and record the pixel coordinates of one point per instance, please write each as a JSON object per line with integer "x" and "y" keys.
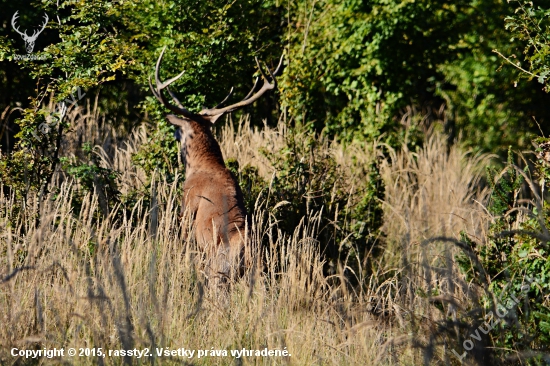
{"x": 211, "y": 194}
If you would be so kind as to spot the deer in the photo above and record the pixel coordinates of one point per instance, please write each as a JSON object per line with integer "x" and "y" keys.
{"x": 212, "y": 196}
{"x": 29, "y": 40}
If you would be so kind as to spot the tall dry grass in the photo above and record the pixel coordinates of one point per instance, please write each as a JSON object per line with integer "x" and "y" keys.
{"x": 128, "y": 280}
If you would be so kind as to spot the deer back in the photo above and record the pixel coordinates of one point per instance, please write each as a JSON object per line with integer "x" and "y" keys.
{"x": 211, "y": 193}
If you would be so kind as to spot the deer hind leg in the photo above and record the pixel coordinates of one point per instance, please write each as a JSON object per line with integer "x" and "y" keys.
{"x": 224, "y": 264}
{"x": 215, "y": 265}
{"x": 223, "y": 252}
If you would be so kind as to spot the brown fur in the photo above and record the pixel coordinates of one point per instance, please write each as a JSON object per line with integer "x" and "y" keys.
{"x": 212, "y": 197}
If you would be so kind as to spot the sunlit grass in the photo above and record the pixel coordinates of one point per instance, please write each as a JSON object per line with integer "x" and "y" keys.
{"x": 129, "y": 280}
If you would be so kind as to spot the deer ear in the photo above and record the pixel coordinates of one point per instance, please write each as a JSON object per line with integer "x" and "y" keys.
{"x": 175, "y": 120}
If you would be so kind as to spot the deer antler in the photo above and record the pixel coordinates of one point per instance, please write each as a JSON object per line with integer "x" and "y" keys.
{"x": 179, "y": 109}
{"x": 24, "y": 34}
{"x": 215, "y": 112}
{"x": 16, "y": 28}
{"x": 36, "y": 33}
{"x": 251, "y": 97}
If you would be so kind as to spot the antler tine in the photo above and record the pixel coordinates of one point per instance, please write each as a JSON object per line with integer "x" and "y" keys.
{"x": 179, "y": 109}
{"x": 279, "y": 65}
{"x": 154, "y": 91}
{"x": 274, "y": 80}
{"x": 178, "y": 103}
{"x": 15, "y": 27}
{"x": 253, "y": 88}
{"x": 161, "y": 85}
{"x": 251, "y": 97}
{"x": 260, "y": 68}
{"x": 231, "y": 93}
{"x": 225, "y": 99}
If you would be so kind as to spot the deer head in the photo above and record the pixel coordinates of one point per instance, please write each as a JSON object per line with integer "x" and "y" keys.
{"x": 29, "y": 40}
{"x": 192, "y": 123}
{"x": 211, "y": 194}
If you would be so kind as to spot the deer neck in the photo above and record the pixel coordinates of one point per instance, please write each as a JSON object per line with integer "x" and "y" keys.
{"x": 201, "y": 151}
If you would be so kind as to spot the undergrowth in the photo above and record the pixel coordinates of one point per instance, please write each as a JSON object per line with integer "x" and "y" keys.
{"x": 370, "y": 255}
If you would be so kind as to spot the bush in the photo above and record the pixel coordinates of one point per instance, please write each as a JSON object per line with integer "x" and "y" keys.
{"x": 307, "y": 182}
{"x": 93, "y": 179}
{"x": 530, "y": 25}
{"x": 515, "y": 258}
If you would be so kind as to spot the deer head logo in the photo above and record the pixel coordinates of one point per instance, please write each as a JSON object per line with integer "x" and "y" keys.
{"x": 29, "y": 40}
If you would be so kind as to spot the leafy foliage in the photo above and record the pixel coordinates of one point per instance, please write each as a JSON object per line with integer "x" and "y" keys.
{"x": 251, "y": 183}
{"x": 530, "y": 25}
{"x": 308, "y": 181}
{"x": 160, "y": 153}
{"x": 516, "y": 259}
{"x": 31, "y": 166}
{"x": 354, "y": 66}
{"x": 93, "y": 179}
{"x": 111, "y": 47}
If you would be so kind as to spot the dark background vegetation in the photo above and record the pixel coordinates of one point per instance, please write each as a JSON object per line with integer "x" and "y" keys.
{"x": 353, "y": 66}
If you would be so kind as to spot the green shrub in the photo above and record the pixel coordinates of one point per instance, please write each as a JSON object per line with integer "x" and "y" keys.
{"x": 160, "y": 152}
{"x": 515, "y": 257}
{"x": 530, "y": 25}
{"x": 308, "y": 181}
{"x": 93, "y": 179}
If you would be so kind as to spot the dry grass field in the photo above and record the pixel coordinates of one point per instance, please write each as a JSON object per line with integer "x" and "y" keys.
{"x": 129, "y": 280}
